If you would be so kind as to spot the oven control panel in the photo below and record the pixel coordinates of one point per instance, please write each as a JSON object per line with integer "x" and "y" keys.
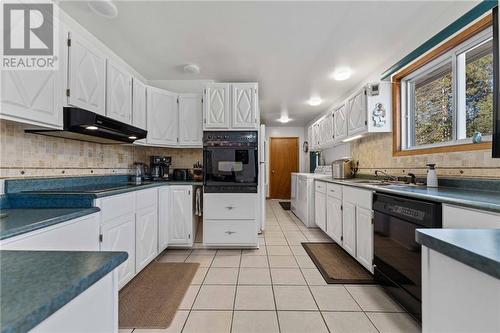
{"x": 230, "y": 138}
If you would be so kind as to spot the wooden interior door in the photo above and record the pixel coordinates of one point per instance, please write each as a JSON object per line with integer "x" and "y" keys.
{"x": 284, "y": 157}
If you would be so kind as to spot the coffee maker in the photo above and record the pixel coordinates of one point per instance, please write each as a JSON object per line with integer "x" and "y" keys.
{"x": 160, "y": 167}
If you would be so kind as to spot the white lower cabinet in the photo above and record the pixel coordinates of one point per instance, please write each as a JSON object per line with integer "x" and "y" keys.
{"x": 334, "y": 219}
{"x": 181, "y": 220}
{"x": 81, "y": 234}
{"x": 230, "y": 219}
{"x": 320, "y": 210}
{"x": 469, "y": 218}
{"x": 119, "y": 235}
{"x": 349, "y": 227}
{"x": 163, "y": 218}
{"x": 364, "y": 237}
{"x": 146, "y": 228}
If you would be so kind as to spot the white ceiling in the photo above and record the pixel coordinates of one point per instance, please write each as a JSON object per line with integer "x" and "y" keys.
{"x": 290, "y": 48}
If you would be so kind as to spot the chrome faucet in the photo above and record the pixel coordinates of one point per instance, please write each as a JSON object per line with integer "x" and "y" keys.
{"x": 388, "y": 176}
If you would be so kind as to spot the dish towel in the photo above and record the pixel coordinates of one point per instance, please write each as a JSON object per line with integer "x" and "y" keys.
{"x": 198, "y": 210}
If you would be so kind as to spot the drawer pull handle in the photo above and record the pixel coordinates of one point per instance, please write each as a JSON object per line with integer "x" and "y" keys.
{"x": 229, "y": 208}
{"x": 230, "y": 232}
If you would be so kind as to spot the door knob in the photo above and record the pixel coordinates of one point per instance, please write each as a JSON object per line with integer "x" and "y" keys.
{"x": 272, "y": 171}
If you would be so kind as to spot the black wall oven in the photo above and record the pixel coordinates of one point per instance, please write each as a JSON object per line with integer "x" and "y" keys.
{"x": 230, "y": 161}
{"x": 397, "y": 255}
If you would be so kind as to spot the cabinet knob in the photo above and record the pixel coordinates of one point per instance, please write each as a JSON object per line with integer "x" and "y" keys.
{"x": 230, "y": 232}
{"x": 229, "y": 207}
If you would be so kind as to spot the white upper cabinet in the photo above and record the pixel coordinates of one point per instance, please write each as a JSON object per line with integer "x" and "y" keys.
{"x": 327, "y": 129}
{"x": 339, "y": 123}
{"x": 139, "y": 104}
{"x": 356, "y": 114}
{"x": 118, "y": 93}
{"x": 162, "y": 117}
{"x": 35, "y": 97}
{"x": 315, "y": 136}
{"x": 190, "y": 120}
{"x": 216, "y": 106}
{"x": 244, "y": 106}
{"x": 231, "y": 106}
{"x": 86, "y": 75}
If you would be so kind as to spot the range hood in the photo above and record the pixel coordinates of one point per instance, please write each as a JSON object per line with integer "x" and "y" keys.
{"x": 83, "y": 125}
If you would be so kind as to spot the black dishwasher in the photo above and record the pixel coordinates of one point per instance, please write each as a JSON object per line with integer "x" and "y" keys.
{"x": 397, "y": 256}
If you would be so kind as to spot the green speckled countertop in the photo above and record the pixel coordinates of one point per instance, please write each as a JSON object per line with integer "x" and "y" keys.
{"x": 35, "y": 284}
{"x": 478, "y": 248}
{"x": 21, "y": 220}
{"x": 473, "y": 198}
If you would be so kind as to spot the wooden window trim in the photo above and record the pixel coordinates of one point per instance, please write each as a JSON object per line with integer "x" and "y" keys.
{"x": 397, "y": 150}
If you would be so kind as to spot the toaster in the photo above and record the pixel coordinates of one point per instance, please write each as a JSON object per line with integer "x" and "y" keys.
{"x": 342, "y": 169}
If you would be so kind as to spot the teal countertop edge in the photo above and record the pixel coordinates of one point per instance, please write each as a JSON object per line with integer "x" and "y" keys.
{"x": 472, "y": 198}
{"x": 35, "y": 284}
{"x": 24, "y": 220}
{"x": 477, "y": 248}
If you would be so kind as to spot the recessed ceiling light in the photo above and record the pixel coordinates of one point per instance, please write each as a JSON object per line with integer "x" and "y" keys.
{"x": 284, "y": 119}
{"x": 342, "y": 73}
{"x": 192, "y": 69}
{"x": 92, "y": 128}
{"x": 104, "y": 8}
{"x": 314, "y": 101}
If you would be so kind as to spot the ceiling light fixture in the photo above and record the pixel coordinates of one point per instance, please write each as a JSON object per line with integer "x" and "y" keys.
{"x": 92, "y": 128}
{"x": 284, "y": 119}
{"x": 104, "y": 8}
{"x": 314, "y": 101}
{"x": 192, "y": 69}
{"x": 341, "y": 74}
{"x": 133, "y": 137}
{"x": 353, "y": 138}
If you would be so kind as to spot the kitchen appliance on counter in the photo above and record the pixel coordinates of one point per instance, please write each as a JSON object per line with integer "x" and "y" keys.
{"x": 397, "y": 256}
{"x": 197, "y": 172}
{"x": 141, "y": 172}
{"x": 84, "y": 125}
{"x": 160, "y": 167}
{"x": 181, "y": 174}
{"x": 230, "y": 161}
{"x": 342, "y": 169}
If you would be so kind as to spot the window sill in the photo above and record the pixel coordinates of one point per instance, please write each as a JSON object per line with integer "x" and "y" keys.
{"x": 443, "y": 149}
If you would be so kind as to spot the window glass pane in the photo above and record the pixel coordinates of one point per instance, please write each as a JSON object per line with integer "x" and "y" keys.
{"x": 479, "y": 89}
{"x": 433, "y": 107}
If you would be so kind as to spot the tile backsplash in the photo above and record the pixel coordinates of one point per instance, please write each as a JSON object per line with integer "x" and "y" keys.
{"x": 375, "y": 152}
{"x": 32, "y": 155}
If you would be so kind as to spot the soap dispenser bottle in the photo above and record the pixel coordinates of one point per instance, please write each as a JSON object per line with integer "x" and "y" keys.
{"x": 432, "y": 180}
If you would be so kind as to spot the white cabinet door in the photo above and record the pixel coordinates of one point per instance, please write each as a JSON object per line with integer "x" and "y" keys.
{"x": 163, "y": 218}
{"x": 349, "y": 227}
{"x": 356, "y": 113}
{"x": 146, "y": 236}
{"x": 340, "y": 123}
{"x": 80, "y": 234}
{"x": 334, "y": 219}
{"x": 216, "y": 106}
{"x": 118, "y": 93}
{"x": 320, "y": 210}
{"x": 120, "y": 236}
{"x": 364, "y": 237}
{"x": 316, "y": 136}
{"x": 180, "y": 212}
{"x": 139, "y": 104}
{"x": 244, "y": 106}
{"x": 33, "y": 97}
{"x": 190, "y": 120}
{"x": 162, "y": 117}
{"x": 86, "y": 76}
{"x": 468, "y": 218}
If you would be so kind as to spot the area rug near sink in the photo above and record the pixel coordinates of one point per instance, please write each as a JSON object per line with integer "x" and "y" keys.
{"x": 152, "y": 298}
{"x": 336, "y": 265}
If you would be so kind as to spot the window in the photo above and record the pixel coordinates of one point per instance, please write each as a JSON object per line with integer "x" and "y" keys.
{"x": 446, "y": 98}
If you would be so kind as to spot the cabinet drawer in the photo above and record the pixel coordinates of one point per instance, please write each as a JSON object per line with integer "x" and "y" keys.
{"x": 320, "y": 186}
{"x": 229, "y": 206}
{"x": 145, "y": 198}
{"x": 468, "y": 218}
{"x": 229, "y": 232}
{"x": 362, "y": 198}
{"x": 334, "y": 190}
{"x": 117, "y": 205}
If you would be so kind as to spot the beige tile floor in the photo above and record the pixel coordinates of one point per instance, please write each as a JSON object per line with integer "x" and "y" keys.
{"x": 277, "y": 288}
